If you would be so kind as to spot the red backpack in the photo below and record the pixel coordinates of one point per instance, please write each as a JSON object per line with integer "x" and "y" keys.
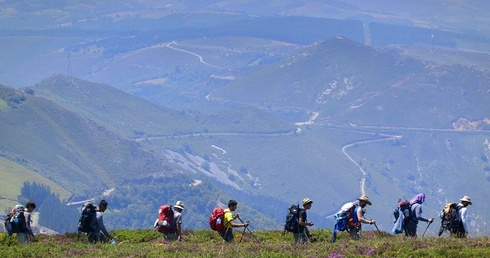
{"x": 217, "y": 219}
{"x": 165, "y": 213}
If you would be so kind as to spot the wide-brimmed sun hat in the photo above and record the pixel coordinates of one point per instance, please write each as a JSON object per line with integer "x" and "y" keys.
{"x": 179, "y": 205}
{"x": 365, "y": 199}
{"x": 306, "y": 201}
{"x": 466, "y": 199}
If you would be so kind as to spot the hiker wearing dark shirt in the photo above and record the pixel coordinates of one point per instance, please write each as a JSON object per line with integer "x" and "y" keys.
{"x": 301, "y": 234}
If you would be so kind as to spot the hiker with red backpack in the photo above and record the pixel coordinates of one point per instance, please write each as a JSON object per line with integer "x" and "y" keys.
{"x": 416, "y": 215}
{"x": 169, "y": 221}
{"x": 356, "y": 227}
{"x": 176, "y": 234}
{"x": 229, "y": 223}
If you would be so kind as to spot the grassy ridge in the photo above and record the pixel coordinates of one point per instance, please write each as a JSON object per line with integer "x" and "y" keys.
{"x": 206, "y": 243}
{"x": 13, "y": 176}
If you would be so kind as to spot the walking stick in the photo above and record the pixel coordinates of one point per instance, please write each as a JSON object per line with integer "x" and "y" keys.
{"x": 426, "y": 228}
{"x": 377, "y": 227}
{"x": 248, "y": 230}
{"x": 243, "y": 233}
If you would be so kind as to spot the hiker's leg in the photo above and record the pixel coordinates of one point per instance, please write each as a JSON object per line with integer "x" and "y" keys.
{"x": 227, "y": 235}
{"x": 300, "y": 238}
{"x": 23, "y": 239}
{"x": 92, "y": 237}
{"x": 355, "y": 233}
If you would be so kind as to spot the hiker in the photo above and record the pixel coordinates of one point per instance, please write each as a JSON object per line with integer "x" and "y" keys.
{"x": 355, "y": 231}
{"x": 416, "y": 215}
{"x": 301, "y": 232}
{"x": 20, "y": 222}
{"x": 176, "y": 223}
{"x": 229, "y": 224}
{"x": 462, "y": 207}
{"x": 100, "y": 233}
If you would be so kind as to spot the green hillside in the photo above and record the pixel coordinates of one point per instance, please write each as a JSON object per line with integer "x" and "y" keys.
{"x": 81, "y": 156}
{"x": 14, "y": 175}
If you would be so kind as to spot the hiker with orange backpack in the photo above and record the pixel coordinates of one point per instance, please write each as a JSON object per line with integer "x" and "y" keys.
{"x": 229, "y": 222}
{"x": 355, "y": 226}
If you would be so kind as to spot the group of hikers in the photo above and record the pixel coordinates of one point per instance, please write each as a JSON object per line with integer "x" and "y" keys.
{"x": 350, "y": 218}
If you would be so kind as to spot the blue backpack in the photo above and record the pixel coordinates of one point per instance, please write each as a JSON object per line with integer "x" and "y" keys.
{"x": 345, "y": 219}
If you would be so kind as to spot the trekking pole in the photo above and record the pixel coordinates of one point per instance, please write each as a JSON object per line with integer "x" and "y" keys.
{"x": 243, "y": 233}
{"x": 426, "y": 228}
{"x": 377, "y": 227}
{"x": 248, "y": 230}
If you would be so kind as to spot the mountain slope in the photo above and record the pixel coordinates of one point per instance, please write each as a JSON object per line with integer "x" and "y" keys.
{"x": 350, "y": 83}
{"x": 83, "y": 157}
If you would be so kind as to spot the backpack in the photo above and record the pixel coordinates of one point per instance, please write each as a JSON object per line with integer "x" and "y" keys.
{"x": 292, "y": 218}
{"x": 402, "y": 214}
{"x": 166, "y": 216}
{"x": 88, "y": 215}
{"x": 450, "y": 217}
{"x": 216, "y": 219}
{"x": 345, "y": 219}
{"x": 403, "y": 208}
{"x": 17, "y": 223}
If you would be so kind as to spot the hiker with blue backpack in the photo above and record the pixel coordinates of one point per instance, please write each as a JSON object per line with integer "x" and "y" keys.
{"x": 19, "y": 222}
{"x": 351, "y": 217}
{"x": 355, "y": 230}
{"x": 416, "y": 215}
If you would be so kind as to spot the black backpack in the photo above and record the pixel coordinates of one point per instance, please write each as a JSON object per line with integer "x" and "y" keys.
{"x": 292, "y": 218}
{"x": 18, "y": 222}
{"x": 88, "y": 215}
{"x": 450, "y": 220}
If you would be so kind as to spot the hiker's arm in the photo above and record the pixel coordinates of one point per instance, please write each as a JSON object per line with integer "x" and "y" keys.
{"x": 418, "y": 213}
{"x": 463, "y": 219}
{"x": 237, "y": 225}
{"x": 179, "y": 231}
{"x": 302, "y": 220}
{"x": 100, "y": 222}
{"x": 30, "y": 234}
{"x": 360, "y": 216}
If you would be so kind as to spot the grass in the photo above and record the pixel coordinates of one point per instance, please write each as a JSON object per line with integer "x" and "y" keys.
{"x": 13, "y": 176}
{"x": 207, "y": 243}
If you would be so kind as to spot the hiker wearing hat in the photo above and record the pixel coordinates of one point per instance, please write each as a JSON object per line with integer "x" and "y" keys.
{"x": 416, "y": 210}
{"x": 177, "y": 221}
{"x": 302, "y": 233}
{"x": 355, "y": 231}
{"x": 463, "y": 227}
{"x": 229, "y": 222}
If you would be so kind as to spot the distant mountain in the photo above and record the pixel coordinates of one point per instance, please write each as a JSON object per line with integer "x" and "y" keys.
{"x": 349, "y": 83}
